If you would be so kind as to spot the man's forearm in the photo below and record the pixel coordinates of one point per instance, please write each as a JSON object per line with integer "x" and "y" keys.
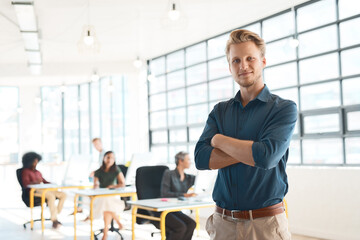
{"x": 219, "y": 159}
{"x": 240, "y": 150}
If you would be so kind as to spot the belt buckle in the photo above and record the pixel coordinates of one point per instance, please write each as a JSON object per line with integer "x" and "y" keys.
{"x": 232, "y": 214}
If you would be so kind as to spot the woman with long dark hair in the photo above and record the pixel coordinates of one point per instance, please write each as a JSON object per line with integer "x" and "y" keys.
{"x": 108, "y": 176}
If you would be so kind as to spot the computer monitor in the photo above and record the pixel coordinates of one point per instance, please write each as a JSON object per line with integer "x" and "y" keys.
{"x": 137, "y": 160}
{"x": 204, "y": 182}
{"x": 78, "y": 169}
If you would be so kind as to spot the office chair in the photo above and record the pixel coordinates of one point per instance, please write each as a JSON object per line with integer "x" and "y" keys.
{"x": 112, "y": 228}
{"x": 148, "y": 184}
{"x": 25, "y": 196}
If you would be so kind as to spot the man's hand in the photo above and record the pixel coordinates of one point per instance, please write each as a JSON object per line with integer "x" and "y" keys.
{"x": 190, "y": 194}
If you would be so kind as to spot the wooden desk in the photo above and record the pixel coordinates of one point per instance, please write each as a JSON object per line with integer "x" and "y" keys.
{"x": 97, "y": 193}
{"x": 171, "y": 205}
{"x": 45, "y": 188}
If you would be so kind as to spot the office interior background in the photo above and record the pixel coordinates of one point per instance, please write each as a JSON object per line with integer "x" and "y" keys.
{"x": 147, "y": 83}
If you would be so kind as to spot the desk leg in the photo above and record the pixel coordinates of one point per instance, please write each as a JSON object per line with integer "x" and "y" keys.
{"x": 197, "y": 221}
{"x": 32, "y": 190}
{"x": 91, "y": 218}
{"x": 42, "y": 210}
{"x": 162, "y": 224}
{"x": 75, "y": 211}
{"x": 134, "y": 211}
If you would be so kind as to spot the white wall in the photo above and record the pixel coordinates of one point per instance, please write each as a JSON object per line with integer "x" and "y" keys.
{"x": 324, "y": 202}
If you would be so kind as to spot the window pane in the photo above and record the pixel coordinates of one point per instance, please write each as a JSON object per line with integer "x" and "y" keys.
{"x": 294, "y": 152}
{"x": 197, "y": 94}
{"x": 157, "y": 66}
{"x": 105, "y": 113}
{"x": 322, "y": 123}
{"x": 254, "y": 28}
{"x": 51, "y": 124}
{"x": 157, "y": 84}
{"x": 350, "y": 32}
{"x": 9, "y": 124}
{"x": 281, "y": 76}
{"x": 327, "y": 67}
{"x": 196, "y": 54}
{"x": 84, "y": 119}
{"x": 178, "y": 135}
{"x": 160, "y": 153}
{"x": 352, "y": 150}
{"x": 175, "y": 61}
{"x": 291, "y": 94}
{"x": 348, "y": 8}
{"x": 280, "y": 51}
{"x": 323, "y": 151}
{"x": 176, "y": 79}
{"x": 159, "y": 137}
{"x": 195, "y": 133}
{"x": 71, "y": 121}
{"x": 316, "y": 14}
{"x": 120, "y": 116}
{"x": 218, "y": 68}
{"x": 196, "y": 74}
{"x": 351, "y": 90}
{"x": 279, "y": 26}
{"x": 221, "y": 89}
{"x": 158, "y": 120}
{"x": 350, "y": 62}
{"x": 157, "y": 102}
{"x": 177, "y": 117}
{"x": 95, "y": 109}
{"x": 173, "y": 150}
{"x": 216, "y": 46}
{"x": 320, "y": 96}
{"x": 197, "y": 113}
{"x": 318, "y": 41}
{"x": 353, "y": 121}
{"x": 176, "y": 98}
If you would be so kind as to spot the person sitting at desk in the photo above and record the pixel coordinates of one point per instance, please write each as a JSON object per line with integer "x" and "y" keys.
{"x": 106, "y": 177}
{"x": 176, "y": 183}
{"x": 30, "y": 175}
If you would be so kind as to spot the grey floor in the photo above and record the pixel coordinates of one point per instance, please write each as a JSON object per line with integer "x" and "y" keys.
{"x": 13, "y": 213}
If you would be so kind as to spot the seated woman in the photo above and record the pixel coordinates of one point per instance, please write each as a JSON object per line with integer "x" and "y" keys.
{"x": 176, "y": 183}
{"x": 108, "y": 176}
{"x": 30, "y": 175}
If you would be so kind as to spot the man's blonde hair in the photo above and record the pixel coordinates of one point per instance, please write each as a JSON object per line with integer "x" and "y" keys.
{"x": 242, "y": 35}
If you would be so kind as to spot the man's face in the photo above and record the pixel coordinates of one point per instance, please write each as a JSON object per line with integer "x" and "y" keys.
{"x": 246, "y": 64}
{"x": 97, "y": 145}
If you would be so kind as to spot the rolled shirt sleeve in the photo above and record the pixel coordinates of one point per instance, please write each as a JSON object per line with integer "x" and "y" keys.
{"x": 275, "y": 139}
{"x": 203, "y": 147}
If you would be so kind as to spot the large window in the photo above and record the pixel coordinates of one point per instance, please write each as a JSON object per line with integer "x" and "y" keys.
{"x": 321, "y": 75}
{"x": 9, "y": 124}
{"x": 73, "y": 115}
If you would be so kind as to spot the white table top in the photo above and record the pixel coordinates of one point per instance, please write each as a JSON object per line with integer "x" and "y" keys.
{"x": 104, "y": 191}
{"x": 53, "y": 185}
{"x": 162, "y": 204}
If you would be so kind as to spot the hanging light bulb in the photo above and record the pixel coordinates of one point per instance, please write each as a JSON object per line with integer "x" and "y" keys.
{"x": 174, "y": 14}
{"x": 88, "y": 39}
{"x": 151, "y": 77}
{"x": 294, "y": 43}
{"x": 95, "y": 77}
{"x": 137, "y": 63}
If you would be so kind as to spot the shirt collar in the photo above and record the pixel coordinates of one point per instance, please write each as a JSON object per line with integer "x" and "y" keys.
{"x": 263, "y": 96}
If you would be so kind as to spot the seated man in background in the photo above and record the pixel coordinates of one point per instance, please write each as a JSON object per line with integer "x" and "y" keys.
{"x": 32, "y": 176}
{"x": 176, "y": 183}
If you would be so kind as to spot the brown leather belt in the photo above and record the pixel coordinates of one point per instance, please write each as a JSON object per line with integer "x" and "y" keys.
{"x": 257, "y": 213}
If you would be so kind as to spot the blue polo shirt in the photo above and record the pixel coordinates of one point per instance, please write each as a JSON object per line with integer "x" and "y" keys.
{"x": 269, "y": 121}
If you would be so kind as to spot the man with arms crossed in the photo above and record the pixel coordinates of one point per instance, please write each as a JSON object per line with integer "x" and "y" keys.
{"x": 247, "y": 139}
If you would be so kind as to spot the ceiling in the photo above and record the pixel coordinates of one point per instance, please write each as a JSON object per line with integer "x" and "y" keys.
{"x": 125, "y": 29}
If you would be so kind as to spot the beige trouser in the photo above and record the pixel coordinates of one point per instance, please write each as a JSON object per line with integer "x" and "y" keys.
{"x": 266, "y": 228}
{"x": 50, "y": 197}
